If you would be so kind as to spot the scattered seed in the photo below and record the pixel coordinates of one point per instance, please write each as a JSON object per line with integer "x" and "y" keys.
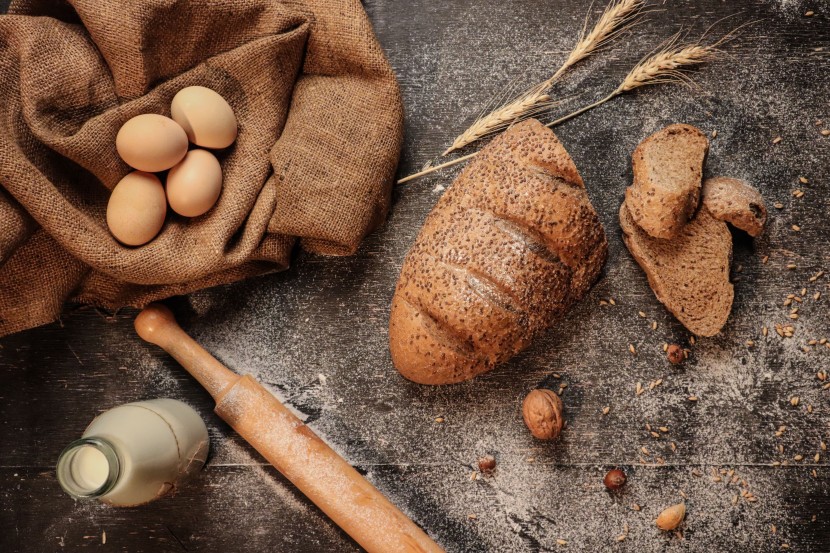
{"x": 823, "y": 446}
{"x": 663, "y": 429}
{"x": 606, "y": 410}
{"x": 692, "y": 340}
{"x": 803, "y": 180}
{"x": 794, "y": 401}
{"x": 791, "y": 266}
{"x": 692, "y": 398}
{"x": 642, "y": 314}
{"x": 632, "y": 349}
{"x": 562, "y": 542}
{"x": 472, "y": 516}
{"x": 817, "y": 457}
{"x": 635, "y": 507}
{"x": 776, "y": 140}
{"x": 654, "y": 434}
{"x": 645, "y": 451}
{"x": 825, "y": 132}
{"x": 611, "y": 301}
{"x": 765, "y": 258}
{"x": 816, "y": 276}
{"x": 750, "y": 343}
{"x": 715, "y": 133}
{"x": 764, "y": 331}
{"x": 673, "y": 446}
{"x": 809, "y": 408}
{"x": 809, "y": 13}
{"x": 439, "y": 419}
{"x": 796, "y": 228}
{"x": 799, "y": 457}
{"x": 639, "y": 389}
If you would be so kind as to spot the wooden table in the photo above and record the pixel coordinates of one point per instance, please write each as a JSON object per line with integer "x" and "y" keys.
{"x": 317, "y": 334}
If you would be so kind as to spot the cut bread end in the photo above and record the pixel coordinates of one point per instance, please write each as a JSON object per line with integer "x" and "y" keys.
{"x": 736, "y": 202}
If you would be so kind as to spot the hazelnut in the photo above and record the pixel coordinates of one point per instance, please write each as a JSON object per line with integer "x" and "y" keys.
{"x": 542, "y": 412}
{"x": 675, "y": 354}
{"x": 671, "y": 517}
{"x": 615, "y": 479}
{"x": 487, "y": 464}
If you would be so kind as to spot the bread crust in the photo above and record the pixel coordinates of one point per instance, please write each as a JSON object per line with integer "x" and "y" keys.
{"x": 668, "y": 170}
{"x": 508, "y": 248}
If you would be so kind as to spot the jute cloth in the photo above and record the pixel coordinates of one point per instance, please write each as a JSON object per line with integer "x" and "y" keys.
{"x": 320, "y": 130}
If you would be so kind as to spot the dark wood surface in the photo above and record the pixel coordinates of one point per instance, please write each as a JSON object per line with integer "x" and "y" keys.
{"x": 328, "y": 317}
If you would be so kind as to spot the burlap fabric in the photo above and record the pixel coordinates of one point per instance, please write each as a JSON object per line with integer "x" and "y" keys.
{"x": 320, "y": 124}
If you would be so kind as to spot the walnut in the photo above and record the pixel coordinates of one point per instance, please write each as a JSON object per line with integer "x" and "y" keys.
{"x": 542, "y": 412}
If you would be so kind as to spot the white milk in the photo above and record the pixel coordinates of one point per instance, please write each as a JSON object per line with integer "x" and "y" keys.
{"x": 135, "y": 453}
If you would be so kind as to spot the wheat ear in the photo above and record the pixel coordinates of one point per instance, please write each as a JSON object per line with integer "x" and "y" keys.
{"x": 612, "y": 21}
{"x": 665, "y": 66}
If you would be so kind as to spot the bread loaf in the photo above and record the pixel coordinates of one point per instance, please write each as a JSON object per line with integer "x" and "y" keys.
{"x": 668, "y": 169}
{"x": 508, "y": 248}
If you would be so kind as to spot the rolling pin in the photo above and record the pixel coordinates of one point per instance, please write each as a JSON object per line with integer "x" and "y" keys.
{"x": 288, "y": 444}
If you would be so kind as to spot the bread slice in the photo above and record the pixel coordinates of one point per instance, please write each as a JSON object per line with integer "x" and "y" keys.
{"x": 668, "y": 169}
{"x": 508, "y": 248}
{"x": 690, "y": 273}
{"x": 736, "y": 202}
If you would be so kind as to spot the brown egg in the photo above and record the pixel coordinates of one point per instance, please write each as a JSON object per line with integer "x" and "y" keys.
{"x": 205, "y": 116}
{"x": 151, "y": 142}
{"x": 137, "y": 207}
{"x": 194, "y": 185}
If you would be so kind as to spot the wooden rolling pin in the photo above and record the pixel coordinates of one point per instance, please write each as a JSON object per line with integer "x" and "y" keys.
{"x": 288, "y": 444}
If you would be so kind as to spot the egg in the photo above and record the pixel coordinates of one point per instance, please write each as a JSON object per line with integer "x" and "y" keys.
{"x": 151, "y": 142}
{"x": 194, "y": 185}
{"x": 205, "y": 116}
{"x": 136, "y": 209}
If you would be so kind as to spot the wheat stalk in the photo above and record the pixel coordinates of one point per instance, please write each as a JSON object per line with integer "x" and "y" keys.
{"x": 612, "y": 21}
{"x": 667, "y": 65}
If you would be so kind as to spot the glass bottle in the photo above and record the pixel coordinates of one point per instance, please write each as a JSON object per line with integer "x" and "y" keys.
{"x": 135, "y": 453}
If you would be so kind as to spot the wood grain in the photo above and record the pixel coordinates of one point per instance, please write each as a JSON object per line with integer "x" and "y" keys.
{"x": 329, "y": 316}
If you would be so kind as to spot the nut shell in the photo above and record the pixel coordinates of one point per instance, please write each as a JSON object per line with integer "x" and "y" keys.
{"x": 542, "y": 413}
{"x": 671, "y": 517}
{"x": 487, "y": 464}
{"x": 675, "y": 354}
{"x": 615, "y": 479}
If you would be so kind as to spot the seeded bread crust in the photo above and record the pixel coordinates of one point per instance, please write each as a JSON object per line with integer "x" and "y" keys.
{"x": 509, "y": 247}
{"x": 668, "y": 169}
{"x": 737, "y": 203}
{"x": 690, "y": 273}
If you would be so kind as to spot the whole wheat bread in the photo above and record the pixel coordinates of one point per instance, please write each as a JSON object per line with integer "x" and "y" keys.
{"x": 504, "y": 253}
{"x": 736, "y": 202}
{"x": 690, "y": 273}
{"x": 668, "y": 169}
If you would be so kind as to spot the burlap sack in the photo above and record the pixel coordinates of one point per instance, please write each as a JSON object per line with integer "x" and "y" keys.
{"x": 320, "y": 124}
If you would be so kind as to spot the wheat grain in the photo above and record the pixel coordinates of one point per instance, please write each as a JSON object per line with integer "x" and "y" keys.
{"x": 535, "y": 100}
